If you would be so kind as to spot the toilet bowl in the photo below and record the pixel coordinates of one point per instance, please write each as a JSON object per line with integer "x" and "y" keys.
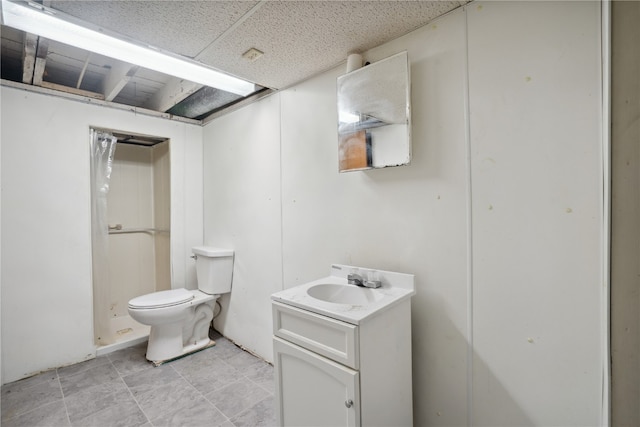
{"x": 180, "y": 318}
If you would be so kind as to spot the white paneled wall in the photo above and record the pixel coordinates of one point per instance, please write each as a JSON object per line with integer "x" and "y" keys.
{"x": 499, "y": 215}
{"x": 242, "y": 201}
{"x": 410, "y": 219}
{"x": 537, "y": 212}
{"x": 46, "y": 222}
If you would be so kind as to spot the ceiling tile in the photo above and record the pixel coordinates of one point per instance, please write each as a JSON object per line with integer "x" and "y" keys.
{"x": 302, "y": 38}
{"x": 182, "y": 27}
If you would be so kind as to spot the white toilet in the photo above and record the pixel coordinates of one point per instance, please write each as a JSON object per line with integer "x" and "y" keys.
{"x": 180, "y": 318}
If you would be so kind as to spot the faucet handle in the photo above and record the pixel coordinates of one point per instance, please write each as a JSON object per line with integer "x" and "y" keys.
{"x": 372, "y": 284}
{"x": 373, "y": 279}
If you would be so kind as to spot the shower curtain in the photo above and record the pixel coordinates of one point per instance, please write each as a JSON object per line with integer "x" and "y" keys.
{"x": 103, "y": 146}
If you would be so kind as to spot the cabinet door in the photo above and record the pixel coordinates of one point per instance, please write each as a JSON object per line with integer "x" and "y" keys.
{"x": 312, "y": 390}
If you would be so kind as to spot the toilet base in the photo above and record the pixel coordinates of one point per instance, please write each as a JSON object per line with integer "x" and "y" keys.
{"x": 187, "y": 331}
{"x": 186, "y": 351}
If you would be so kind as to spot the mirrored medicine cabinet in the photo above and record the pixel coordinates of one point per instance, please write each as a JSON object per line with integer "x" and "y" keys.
{"x": 374, "y": 115}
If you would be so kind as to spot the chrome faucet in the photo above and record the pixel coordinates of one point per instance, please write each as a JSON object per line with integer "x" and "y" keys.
{"x": 358, "y": 280}
{"x": 355, "y": 279}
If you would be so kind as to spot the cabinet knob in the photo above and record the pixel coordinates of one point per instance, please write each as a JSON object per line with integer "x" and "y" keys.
{"x": 348, "y": 403}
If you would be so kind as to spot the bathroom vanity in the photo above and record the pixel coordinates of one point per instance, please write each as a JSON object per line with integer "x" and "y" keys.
{"x": 343, "y": 352}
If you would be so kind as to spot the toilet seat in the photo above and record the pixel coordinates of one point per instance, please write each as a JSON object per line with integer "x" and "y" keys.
{"x": 161, "y": 299}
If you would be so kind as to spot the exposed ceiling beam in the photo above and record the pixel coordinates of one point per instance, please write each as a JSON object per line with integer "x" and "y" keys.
{"x": 29, "y": 57}
{"x": 41, "y": 61}
{"x": 72, "y": 90}
{"x": 34, "y": 62}
{"x": 174, "y": 92}
{"x": 84, "y": 70}
{"x": 117, "y": 79}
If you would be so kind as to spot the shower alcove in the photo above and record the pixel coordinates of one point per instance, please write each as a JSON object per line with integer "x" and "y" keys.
{"x": 131, "y": 232}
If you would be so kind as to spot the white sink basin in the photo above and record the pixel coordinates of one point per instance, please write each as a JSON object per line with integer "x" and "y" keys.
{"x": 334, "y": 297}
{"x": 344, "y": 294}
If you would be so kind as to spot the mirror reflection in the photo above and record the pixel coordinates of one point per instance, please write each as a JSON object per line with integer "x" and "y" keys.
{"x": 374, "y": 126}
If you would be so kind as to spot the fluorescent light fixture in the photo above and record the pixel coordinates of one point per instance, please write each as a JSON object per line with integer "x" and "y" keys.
{"x": 347, "y": 117}
{"x": 51, "y": 24}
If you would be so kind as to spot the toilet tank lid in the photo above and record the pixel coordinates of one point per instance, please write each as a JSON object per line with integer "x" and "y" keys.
{"x": 211, "y": 251}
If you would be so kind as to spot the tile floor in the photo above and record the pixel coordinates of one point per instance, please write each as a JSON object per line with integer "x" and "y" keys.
{"x": 220, "y": 386}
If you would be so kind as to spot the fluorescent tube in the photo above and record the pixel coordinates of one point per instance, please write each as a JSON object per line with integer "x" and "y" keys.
{"x": 51, "y": 24}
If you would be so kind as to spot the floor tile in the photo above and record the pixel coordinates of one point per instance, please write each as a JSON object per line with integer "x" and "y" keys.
{"x": 210, "y": 375}
{"x": 245, "y": 362}
{"x": 162, "y": 399}
{"x": 33, "y": 380}
{"x": 202, "y": 356}
{"x": 82, "y": 366}
{"x": 122, "y": 388}
{"x": 88, "y": 378}
{"x": 235, "y": 398}
{"x": 263, "y": 375}
{"x": 87, "y": 402}
{"x": 259, "y": 415}
{"x": 50, "y": 415}
{"x": 225, "y": 349}
{"x": 23, "y": 396}
{"x": 198, "y": 413}
{"x": 150, "y": 378}
{"x": 126, "y": 414}
{"x": 131, "y": 360}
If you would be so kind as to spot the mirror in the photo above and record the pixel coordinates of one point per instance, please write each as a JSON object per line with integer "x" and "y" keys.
{"x": 374, "y": 120}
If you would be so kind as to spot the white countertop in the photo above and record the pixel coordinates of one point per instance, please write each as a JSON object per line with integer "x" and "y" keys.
{"x": 351, "y": 313}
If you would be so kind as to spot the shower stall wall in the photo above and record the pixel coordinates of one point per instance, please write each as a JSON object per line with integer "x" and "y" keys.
{"x": 137, "y": 259}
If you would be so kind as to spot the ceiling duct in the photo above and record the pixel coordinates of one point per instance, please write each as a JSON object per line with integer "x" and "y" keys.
{"x": 204, "y": 102}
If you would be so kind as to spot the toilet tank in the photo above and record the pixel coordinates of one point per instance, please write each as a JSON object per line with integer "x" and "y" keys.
{"x": 214, "y": 268}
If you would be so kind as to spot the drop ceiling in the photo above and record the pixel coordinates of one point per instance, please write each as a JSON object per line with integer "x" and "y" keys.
{"x": 299, "y": 39}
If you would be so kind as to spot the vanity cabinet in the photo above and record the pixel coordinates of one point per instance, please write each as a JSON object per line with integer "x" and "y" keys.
{"x": 331, "y": 372}
{"x": 315, "y": 390}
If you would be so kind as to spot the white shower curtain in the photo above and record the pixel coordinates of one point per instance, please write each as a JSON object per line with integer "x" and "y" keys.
{"x": 103, "y": 146}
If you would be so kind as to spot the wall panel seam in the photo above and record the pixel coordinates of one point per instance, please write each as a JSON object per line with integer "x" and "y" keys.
{"x": 469, "y": 225}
